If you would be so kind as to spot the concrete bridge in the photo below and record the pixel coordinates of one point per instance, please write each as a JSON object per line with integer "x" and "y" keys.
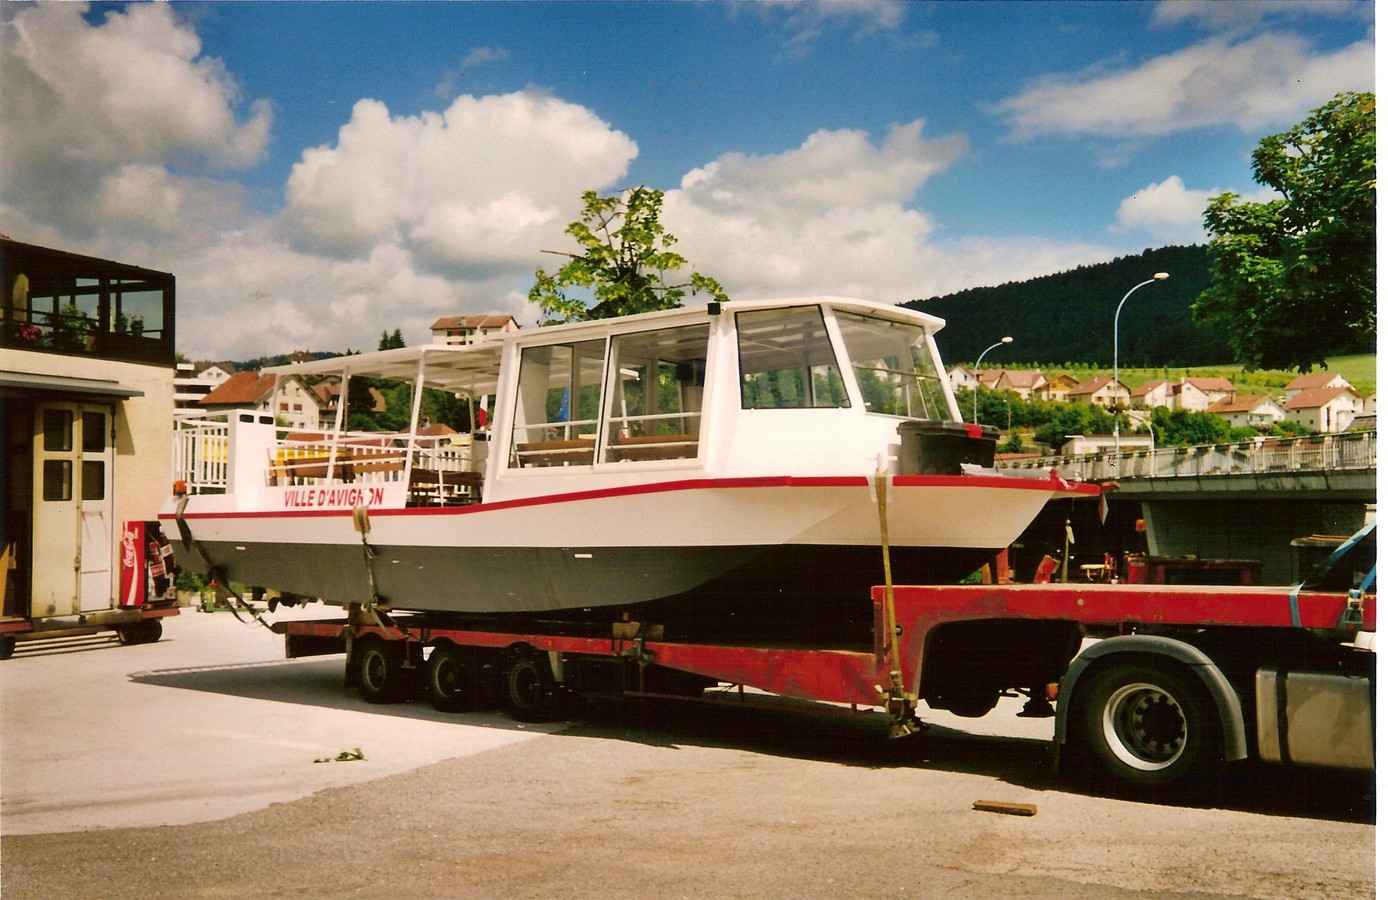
{"x": 1247, "y": 500}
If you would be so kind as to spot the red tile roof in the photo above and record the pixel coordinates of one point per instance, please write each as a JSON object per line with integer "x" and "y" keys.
{"x": 241, "y": 389}
{"x": 1317, "y": 397}
{"x": 1238, "y": 403}
{"x": 1311, "y": 381}
{"x": 1212, "y": 384}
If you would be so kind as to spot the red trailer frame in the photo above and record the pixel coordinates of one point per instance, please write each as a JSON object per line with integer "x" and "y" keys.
{"x": 848, "y": 676}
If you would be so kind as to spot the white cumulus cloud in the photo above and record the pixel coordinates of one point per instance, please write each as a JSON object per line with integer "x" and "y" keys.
{"x": 834, "y": 216}
{"x": 484, "y": 183}
{"x": 122, "y": 111}
{"x": 1264, "y": 81}
{"x": 1169, "y": 211}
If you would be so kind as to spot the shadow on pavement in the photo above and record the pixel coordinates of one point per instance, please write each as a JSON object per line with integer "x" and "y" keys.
{"x": 782, "y": 727}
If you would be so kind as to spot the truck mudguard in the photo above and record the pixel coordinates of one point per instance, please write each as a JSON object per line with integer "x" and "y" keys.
{"x": 1226, "y": 701}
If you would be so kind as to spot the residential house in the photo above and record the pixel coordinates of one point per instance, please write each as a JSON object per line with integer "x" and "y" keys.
{"x": 329, "y": 392}
{"x": 1324, "y": 409}
{"x": 1242, "y": 410}
{"x": 1101, "y": 391}
{"x": 1196, "y": 394}
{"x": 1313, "y": 381}
{"x": 992, "y": 379}
{"x": 463, "y": 330}
{"x": 193, "y": 381}
{"x": 296, "y": 404}
{"x": 1156, "y": 394}
{"x": 960, "y": 378}
{"x": 1059, "y": 387}
{"x": 1025, "y": 384}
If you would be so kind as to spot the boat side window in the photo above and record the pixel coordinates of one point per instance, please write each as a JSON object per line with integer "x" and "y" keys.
{"x": 560, "y": 391}
{"x": 787, "y": 361}
{"x": 659, "y": 396}
{"x": 894, "y": 367}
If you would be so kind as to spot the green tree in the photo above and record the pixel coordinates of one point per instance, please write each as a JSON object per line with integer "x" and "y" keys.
{"x": 623, "y": 265}
{"x": 1293, "y": 278}
{"x": 1184, "y": 427}
{"x": 1074, "y": 418}
{"x": 392, "y": 341}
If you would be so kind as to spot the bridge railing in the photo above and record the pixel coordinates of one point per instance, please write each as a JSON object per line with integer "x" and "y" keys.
{"x": 1350, "y": 450}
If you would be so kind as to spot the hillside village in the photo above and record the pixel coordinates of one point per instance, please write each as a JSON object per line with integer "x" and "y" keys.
{"x": 1319, "y": 402}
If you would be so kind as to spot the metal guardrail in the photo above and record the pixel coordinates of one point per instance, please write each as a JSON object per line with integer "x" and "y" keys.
{"x": 1329, "y": 452}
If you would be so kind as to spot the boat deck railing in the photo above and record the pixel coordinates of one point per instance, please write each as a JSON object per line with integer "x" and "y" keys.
{"x": 200, "y": 455}
{"x": 440, "y": 469}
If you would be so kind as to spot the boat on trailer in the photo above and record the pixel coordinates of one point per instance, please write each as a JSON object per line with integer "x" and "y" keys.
{"x": 721, "y": 461}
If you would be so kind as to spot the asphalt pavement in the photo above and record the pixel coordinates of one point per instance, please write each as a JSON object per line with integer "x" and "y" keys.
{"x": 208, "y": 765}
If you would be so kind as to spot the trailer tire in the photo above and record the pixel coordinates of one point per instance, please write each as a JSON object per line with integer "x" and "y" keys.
{"x": 530, "y": 693}
{"x": 451, "y": 679}
{"x": 1146, "y": 728}
{"x": 151, "y": 631}
{"x": 381, "y": 677}
{"x": 7, "y": 643}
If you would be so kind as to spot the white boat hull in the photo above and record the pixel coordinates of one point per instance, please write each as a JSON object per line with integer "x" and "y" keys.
{"x": 698, "y": 540}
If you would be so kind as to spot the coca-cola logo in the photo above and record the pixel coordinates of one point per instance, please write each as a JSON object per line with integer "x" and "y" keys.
{"x": 128, "y": 549}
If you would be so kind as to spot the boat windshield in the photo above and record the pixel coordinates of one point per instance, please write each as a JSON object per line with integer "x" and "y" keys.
{"x": 787, "y": 361}
{"x": 894, "y": 367}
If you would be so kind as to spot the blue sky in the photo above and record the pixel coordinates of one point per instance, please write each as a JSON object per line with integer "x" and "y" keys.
{"x": 326, "y": 171}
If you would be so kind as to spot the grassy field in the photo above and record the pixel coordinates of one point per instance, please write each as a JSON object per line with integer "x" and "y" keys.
{"x": 1360, "y": 371}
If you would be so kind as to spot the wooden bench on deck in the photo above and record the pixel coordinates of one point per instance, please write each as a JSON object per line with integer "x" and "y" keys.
{"x": 654, "y": 446}
{"x": 556, "y": 453}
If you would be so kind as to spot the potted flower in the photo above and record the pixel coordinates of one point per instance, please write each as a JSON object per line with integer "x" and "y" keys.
{"x": 137, "y": 325}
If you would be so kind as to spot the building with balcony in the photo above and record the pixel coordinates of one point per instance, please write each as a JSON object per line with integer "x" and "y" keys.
{"x": 86, "y": 390}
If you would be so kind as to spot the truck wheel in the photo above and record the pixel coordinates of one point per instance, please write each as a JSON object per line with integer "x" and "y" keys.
{"x": 1145, "y": 727}
{"x": 530, "y": 691}
{"x": 451, "y": 679}
{"x": 151, "y": 630}
{"x": 131, "y": 634}
{"x": 380, "y": 677}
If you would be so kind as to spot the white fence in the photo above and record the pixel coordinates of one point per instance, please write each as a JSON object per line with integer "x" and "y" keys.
{"x": 1351, "y": 450}
{"x": 200, "y": 455}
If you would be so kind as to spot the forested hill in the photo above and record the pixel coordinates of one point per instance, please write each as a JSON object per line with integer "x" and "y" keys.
{"x": 1068, "y": 318}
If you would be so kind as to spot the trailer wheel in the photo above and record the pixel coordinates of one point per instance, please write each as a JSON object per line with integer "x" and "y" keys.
{"x": 7, "y": 643}
{"x": 151, "y": 631}
{"x": 1145, "y": 727}
{"x": 531, "y": 694}
{"x": 451, "y": 679}
{"x": 380, "y": 675}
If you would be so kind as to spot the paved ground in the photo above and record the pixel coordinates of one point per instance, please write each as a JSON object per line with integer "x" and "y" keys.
{"x": 187, "y": 769}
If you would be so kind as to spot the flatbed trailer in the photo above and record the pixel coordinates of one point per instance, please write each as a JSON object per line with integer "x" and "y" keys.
{"x": 1179, "y": 678}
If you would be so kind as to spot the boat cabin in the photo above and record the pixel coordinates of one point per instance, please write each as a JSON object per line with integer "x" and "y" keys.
{"x": 808, "y": 387}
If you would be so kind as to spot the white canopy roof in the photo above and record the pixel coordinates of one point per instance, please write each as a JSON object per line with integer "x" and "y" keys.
{"x": 470, "y": 370}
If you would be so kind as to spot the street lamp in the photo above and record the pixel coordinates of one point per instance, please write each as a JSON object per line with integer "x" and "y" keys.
{"x": 1160, "y": 276}
{"x": 1006, "y": 340}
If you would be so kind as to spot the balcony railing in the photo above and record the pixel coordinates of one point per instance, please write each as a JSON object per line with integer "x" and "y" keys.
{"x": 1347, "y": 451}
{"x": 84, "y": 335}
